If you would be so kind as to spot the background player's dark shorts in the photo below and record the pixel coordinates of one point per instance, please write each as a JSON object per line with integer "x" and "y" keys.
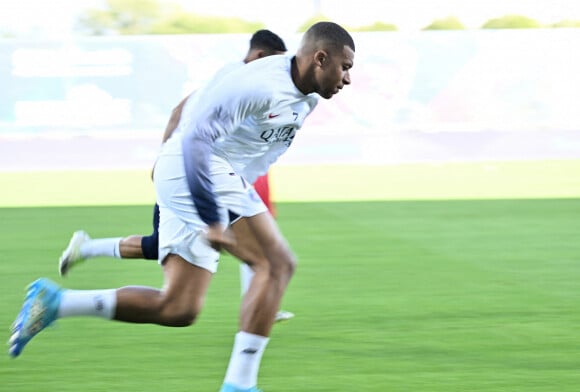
{"x": 150, "y": 244}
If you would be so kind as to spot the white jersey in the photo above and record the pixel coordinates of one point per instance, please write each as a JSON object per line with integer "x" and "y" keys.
{"x": 248, "y": 118}
{"x": 226, "y": 69}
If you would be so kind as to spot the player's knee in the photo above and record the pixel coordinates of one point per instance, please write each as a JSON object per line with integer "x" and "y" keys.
{"x": 180, "y": 314}
{"x": 284, "y": 265}
{"x": 291, "y": 264}
{"x": 181, "y": 317}
{"x": 184, "y": 319}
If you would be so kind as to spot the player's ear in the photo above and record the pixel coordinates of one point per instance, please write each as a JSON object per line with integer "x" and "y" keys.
{"x": 320, "y": 58}
{"x": 260, "y": 53}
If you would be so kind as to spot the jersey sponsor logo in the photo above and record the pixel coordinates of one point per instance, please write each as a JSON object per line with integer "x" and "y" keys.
{"x": 272, "y": 115}
{"x": 279, "y": 135}
{"x": 249, "y": 350}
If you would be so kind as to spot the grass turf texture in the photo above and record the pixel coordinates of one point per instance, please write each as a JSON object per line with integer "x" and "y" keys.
{"x": 478, "y": 295}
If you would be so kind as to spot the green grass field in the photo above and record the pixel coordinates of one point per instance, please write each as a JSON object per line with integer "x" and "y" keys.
{"x": 391, "y": 295}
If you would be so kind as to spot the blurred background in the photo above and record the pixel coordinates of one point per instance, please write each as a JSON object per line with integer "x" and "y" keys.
{"x": 89, "y": 84}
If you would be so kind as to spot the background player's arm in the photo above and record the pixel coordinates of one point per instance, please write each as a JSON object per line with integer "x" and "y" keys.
{"x": 172, "y": 124}
{"x": 173, "y": 120}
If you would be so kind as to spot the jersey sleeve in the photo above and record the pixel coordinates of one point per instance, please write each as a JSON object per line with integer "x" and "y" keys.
{"x": 218, "y": 110}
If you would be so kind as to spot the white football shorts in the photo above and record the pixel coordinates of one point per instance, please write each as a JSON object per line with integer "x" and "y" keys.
{"x": 181, "y": 230}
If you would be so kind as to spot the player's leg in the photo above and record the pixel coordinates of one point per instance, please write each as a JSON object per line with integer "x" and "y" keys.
{"x": 130, "y": 247}
{"x": 272, "y": 272}
{"x": 188, "y": 263}
{"x": 82, "y": 247}
{"x": 249, "y": 251}
{"x": 176, "y": 305}
{"x": 139, "y": 246}
{"x": 263, "y": 189}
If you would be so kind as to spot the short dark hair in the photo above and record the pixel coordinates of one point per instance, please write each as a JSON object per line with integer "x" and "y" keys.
{"x": 267, "y": 40}
{"x": 331, "y": 33}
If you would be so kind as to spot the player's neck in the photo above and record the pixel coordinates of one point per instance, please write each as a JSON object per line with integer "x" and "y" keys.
{"x": 299, "y": 78}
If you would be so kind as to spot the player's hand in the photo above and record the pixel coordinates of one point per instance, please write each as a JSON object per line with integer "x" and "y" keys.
{"x": 218, "y": 237}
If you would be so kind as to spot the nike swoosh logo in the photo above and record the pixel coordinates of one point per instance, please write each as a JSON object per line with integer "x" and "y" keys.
{"x": 272, "y": 115}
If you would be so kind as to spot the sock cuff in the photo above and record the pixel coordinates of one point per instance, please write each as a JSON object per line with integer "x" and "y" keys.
{"x": 99, "y": 303}
{"x": 117, "y": 248}
{"x": 252, "y": 339}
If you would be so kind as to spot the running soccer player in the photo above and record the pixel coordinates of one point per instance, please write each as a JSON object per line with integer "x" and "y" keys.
{"x": 236, "y": 129}
{"x": 81, "y": 246}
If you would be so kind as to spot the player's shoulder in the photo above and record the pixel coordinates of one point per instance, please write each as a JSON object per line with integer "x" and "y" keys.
{"x": 229, "y": 67}
{"x": 273, "y": 61}
{"x": 270, "y": 67}
{"x": 263, "y": 76}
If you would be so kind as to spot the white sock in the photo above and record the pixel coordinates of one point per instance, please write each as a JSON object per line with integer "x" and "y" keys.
{"x": 108, "y": 247}
{"x": 245, "y": 360}
{"x": 100, "y": 303}
{"x": 246, "y": 275}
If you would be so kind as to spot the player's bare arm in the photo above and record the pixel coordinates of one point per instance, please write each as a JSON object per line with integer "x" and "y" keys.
{"x": 173, "y": 120}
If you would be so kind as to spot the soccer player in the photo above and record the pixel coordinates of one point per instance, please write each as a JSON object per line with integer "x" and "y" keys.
{"x": 235, "y": 129}
{"x": 81, "y": 246}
